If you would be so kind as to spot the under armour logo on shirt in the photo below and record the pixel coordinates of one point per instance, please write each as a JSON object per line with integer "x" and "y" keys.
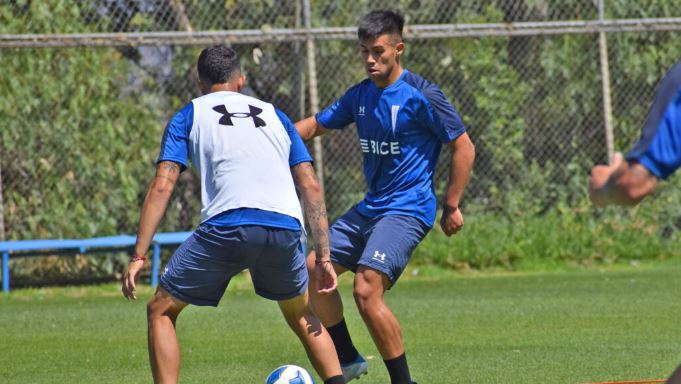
{"x": 226, "y": 118}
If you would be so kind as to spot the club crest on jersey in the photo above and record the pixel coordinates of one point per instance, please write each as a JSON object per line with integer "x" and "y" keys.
{"x": 380, "y": 147}
{"x": 226, "y": 118}
{"x": 393, "y": 116}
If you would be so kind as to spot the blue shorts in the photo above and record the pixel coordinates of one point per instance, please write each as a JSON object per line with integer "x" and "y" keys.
{"x": 384, "y": 243}
{"x": 199, "y": 271}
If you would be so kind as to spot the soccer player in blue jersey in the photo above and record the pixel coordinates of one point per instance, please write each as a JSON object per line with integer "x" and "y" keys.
{"x": 402, "y": 122}
{"x": 627, "y": 181}
{"x": 250, "y": 159}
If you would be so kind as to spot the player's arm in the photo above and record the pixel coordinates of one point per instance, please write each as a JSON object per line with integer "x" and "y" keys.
{"x": 335, "y": 116}
{"x": 309, "y": 128}
{"x": 153, "y": 209}
{"x": 620, "y": 183}
{"x": 656, "y": 155}
{"x": 461, "y": 164}
{"x": 315, "y": 210}
{"x": 439, "y": 115}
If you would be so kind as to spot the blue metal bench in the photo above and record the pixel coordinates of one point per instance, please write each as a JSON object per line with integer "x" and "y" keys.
{"x": 23, "y": 248}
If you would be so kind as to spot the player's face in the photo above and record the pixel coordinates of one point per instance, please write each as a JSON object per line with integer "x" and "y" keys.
{"x": 381, "y": 58}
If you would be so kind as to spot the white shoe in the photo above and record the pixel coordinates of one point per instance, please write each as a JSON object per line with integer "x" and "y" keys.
{"x": 355, "y": 369}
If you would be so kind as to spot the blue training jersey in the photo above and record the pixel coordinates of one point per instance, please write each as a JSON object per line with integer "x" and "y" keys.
{"x": 659, "y": 148}
{"x": 401, "y": 130}
{"x": 175, "y": 147}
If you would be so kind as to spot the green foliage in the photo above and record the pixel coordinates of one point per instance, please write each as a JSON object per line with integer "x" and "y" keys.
{"x": 91, "y": 149}
{"x": 76, "y": 143}
{"x": 519, "y": 238}
{"x": 81, "y": 126}
{"x": 638, "y": 62}
{"x": 42, "y": 17}
{"x": 627, "y": 10}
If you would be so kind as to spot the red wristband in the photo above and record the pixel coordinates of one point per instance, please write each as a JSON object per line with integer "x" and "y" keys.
{"x": 138, "y": 258}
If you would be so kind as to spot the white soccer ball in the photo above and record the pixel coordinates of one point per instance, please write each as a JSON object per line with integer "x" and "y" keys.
{"x": 290, "y": 374}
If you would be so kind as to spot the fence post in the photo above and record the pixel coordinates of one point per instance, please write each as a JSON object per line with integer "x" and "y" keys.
{"x": 301, "y": 65}
{"x": 605, "y": 83}
{"x": 182, "y": 18}
{"x": 314, "y": 91}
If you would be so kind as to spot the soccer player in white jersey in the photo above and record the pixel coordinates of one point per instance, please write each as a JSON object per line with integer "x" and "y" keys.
{"x": 402, "y": 122}
{"x": 250, "y": 159}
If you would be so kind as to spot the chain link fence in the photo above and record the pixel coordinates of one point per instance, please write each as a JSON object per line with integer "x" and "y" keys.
{"x": 88, "y": 87}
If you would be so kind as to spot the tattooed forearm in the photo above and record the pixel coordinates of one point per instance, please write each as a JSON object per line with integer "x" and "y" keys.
{"x": 315, "y": 208}
{"x": 316, "y": 215}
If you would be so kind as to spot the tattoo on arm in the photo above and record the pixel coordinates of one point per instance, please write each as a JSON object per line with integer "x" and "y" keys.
{"x": 316, "y": 215}
{"x": 168, "y": 170}
{"x": 169, "y": 166}
{"x": 315, "y": 208}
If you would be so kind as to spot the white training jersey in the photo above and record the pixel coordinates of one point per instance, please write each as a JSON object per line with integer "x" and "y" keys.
{"x": 242, "y": 151}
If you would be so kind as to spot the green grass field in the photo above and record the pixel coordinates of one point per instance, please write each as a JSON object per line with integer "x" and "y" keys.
{"x": 568, "y": 327}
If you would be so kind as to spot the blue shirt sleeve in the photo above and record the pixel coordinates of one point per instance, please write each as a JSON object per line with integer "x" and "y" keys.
{"x": 440, "y": 116}
{"x": 659, "y": 148}
{"x": 175, "y": 142}
{"x": 662, "y": 154}
{"x": 299, "y": 153}
{"x": 339, "y": 114}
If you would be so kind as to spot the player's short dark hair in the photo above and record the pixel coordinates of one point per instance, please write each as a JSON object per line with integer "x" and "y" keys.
{"x": 218, "y": 64}
{"x": 379, "y": 22}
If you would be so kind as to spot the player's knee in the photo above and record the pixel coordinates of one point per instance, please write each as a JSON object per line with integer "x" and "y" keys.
{"x": 364, "y": 295}
{"x": 153, "y": 309}
{"x": 162, "y": 306}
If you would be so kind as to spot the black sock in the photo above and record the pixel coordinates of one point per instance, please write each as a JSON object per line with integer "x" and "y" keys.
{"x": 398, "y": 370}
{"x": 347, "y": 352}
{"x": 335, "y": 380}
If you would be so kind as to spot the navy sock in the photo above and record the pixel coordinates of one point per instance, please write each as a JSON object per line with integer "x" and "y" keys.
{"x": 335, "y": 380}
{"x": 398, "y": 370}
{"x": 347, "y": 352}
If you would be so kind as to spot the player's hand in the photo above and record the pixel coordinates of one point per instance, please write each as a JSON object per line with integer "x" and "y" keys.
{"x": 130, "y": 278}
{"x": 325, "y": 277}
{"x": 598, "y": 182}
{"x": 452, "y": 220}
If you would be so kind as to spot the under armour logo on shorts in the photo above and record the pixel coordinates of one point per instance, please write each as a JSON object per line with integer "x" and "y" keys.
{"x": 378, "y": 256}
{"x": 226, "y": 118}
